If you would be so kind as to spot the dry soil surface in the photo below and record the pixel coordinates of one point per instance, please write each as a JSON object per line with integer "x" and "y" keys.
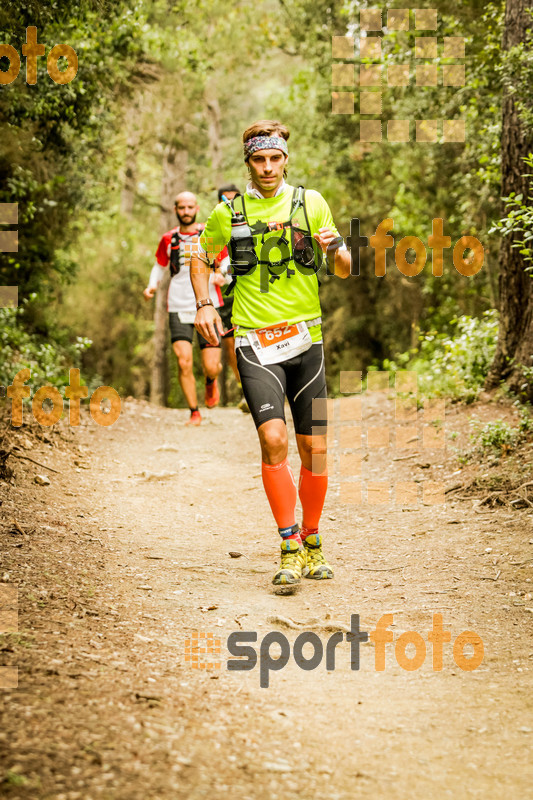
{"x": 125, "y": 556}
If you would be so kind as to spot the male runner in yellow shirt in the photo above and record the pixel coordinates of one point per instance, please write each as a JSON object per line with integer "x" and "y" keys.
{"x": 276, "y": 244}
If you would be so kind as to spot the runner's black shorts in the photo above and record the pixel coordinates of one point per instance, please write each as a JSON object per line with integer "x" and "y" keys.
{"x": 183, "y": 331}
{"x": 301, "y": 379}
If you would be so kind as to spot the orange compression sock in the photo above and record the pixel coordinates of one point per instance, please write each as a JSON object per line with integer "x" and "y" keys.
{"x": 280, "y": 488}
{"x": 312, "y": 490}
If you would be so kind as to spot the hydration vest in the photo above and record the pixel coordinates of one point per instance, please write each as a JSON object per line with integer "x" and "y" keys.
{"x": 176, "y": 254}
{"x": 302, "y": 250}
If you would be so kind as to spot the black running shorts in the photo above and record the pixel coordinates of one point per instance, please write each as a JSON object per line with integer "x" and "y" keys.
{"x": 183, "y": 331}
{"x": 301, "y": 379}
{"x": 225, "y": 312}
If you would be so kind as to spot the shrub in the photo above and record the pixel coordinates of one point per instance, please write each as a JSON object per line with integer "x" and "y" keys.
{"x": 499, "y": 435}
{"x": 453, "y": 365}
{"x": 48, "y": 361}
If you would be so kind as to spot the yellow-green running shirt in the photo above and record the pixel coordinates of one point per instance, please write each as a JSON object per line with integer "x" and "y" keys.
{"x": 289, "y": 299}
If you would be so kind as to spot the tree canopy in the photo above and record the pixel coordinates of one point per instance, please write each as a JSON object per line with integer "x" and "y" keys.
{"x": 84, "y": 161}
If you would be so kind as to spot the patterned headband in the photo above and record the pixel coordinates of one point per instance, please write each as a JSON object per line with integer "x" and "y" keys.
{"x": 265, "y": 143}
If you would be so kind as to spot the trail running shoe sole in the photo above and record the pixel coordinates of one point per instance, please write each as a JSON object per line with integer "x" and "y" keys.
{"x": 288, "y": 588}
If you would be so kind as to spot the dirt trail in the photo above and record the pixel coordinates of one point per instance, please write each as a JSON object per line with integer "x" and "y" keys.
{"x": 116, "y": 569}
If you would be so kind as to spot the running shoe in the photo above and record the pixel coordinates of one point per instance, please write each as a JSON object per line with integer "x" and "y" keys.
{"x": 316, "y": 565}
{"x": 195, "y": 418}
{"x": 212, "y": 395}
{"x": 292, "y": 562}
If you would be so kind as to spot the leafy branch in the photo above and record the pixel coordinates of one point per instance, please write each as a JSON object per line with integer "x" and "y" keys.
{"x": 518, "y": 222}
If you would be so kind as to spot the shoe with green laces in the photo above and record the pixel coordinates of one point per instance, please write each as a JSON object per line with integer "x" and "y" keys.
{"x": 316, "y": 565}
{"x": 292, "y": 562}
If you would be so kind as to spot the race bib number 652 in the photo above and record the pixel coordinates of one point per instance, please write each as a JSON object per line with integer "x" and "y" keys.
{"x": 280, "y": 342}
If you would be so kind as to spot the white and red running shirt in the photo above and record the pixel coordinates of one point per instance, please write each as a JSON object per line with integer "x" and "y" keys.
{"x": 181, "y": 297}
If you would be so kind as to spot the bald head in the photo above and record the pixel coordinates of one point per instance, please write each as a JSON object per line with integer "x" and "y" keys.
{"x": 186, "y": 197}
{"x": 186, "y": 208}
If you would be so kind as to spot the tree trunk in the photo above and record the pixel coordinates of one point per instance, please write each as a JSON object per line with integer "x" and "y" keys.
{"x": 515, "y": 340}
{"x": 174, "y": 170}
{"x": 133, "y": 121}
{"x": 214, "y": 131}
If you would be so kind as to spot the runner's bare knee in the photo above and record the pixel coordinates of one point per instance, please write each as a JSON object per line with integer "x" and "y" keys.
{"x": 185, "y": 364}
{"x": 313, "y": 452}
{"x": 211, "y": 362}
{"x": 274, "y": 441}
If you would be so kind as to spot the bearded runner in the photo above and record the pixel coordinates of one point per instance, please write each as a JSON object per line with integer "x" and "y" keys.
{"x": 276, "y": 236}
{"x": 172, "y": 254}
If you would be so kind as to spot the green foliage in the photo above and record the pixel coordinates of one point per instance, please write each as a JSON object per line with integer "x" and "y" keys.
{"x": 454, "y": 364}
{"x": 113, "y": 258}
{"x": 367, "y": 318}
{"x": 48, "y": 360}
{"x": 13, "y": 778}
{"x": 53, "y": 136}
{"x": 114, "y": 251}
{"x": 157, "y": 66}
{"x": 498, "y": 435}
{"x": 526, "y": 421}
{"x": 525, "y": 387}
{"x": 518, "y": 222}
{"x": 516, "y": 69}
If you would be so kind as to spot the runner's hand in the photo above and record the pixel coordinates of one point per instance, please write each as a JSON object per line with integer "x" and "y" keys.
{"x": 324, "y": 237}
{"x": 207, "y": 323}
{"x": 149, "y": 293}
{"x": 218, "y": 279}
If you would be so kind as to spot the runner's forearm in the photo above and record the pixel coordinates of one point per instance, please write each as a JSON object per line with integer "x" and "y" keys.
{"x": 200, "y": 273}
{"x": 342, "y": 263}
{"x": 156, "y": 276}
